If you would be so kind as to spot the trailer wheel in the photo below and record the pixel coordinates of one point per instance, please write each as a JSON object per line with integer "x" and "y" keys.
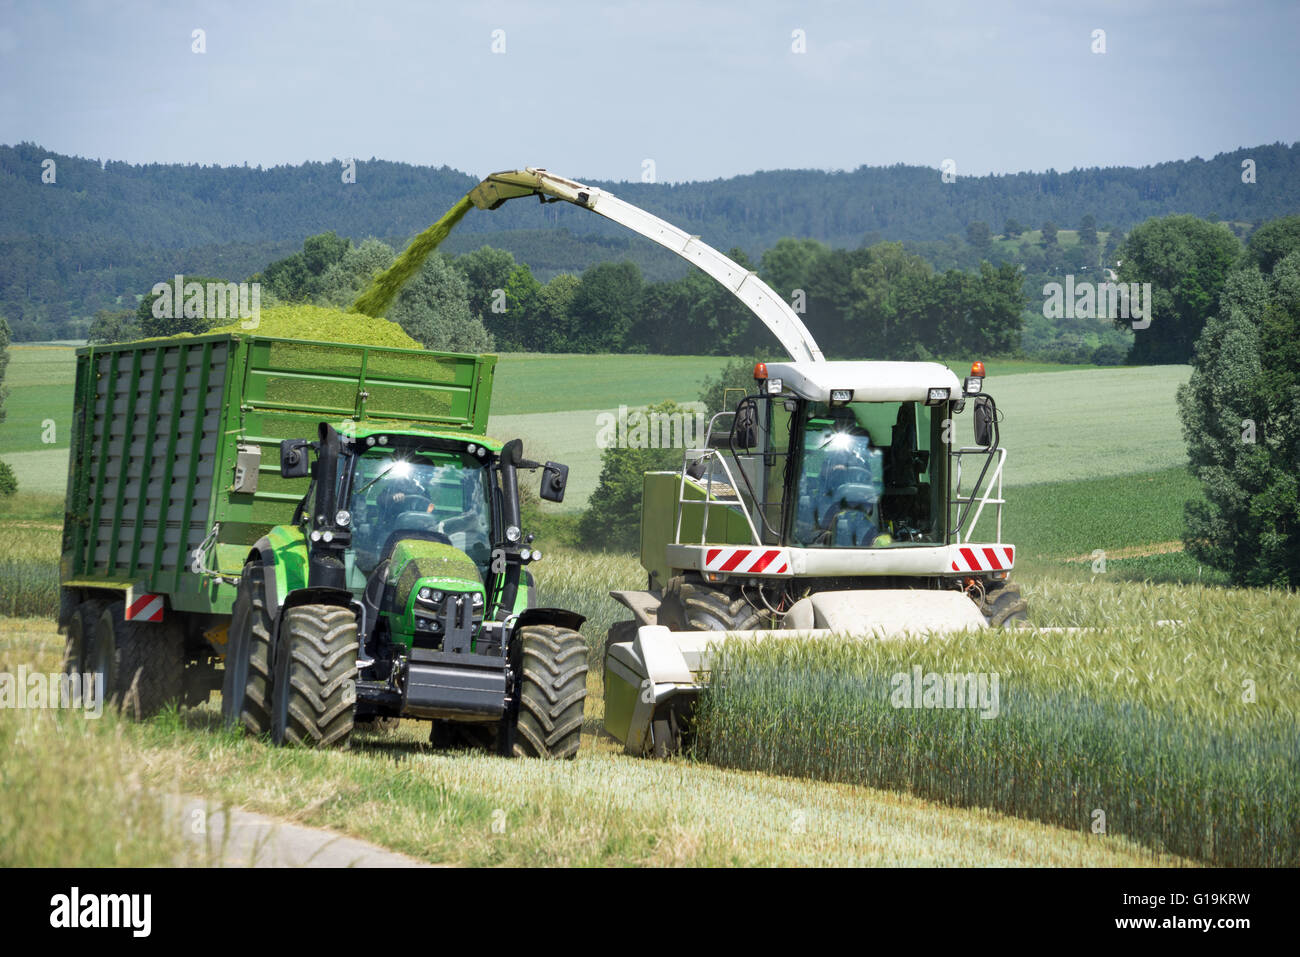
{"x": 552, "y": 664}
{"x": 246, "y": 685}
{"x": 1004, "y": 607}
{"x": 81, "y": 634}
{"x": 692, "y": 606}
{"x": 315, "y": 690}
{"x": 142, "y": 669}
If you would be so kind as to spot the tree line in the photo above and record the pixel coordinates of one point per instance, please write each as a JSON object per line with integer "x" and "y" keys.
{"x": 876, "y": 301}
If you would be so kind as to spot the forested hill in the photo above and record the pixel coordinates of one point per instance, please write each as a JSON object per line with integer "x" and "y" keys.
{"x": 101, "y": 230}
{"x": 187, "y": 206}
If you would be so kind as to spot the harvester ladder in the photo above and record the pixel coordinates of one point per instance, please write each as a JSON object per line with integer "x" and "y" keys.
{"x": 710, "y": 456}
{"x": 988, "y": 498}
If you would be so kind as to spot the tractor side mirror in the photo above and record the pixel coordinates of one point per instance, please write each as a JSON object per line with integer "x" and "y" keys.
{"x": 295, "y": 458}
{"x": 554, "y": 479}
{"x": 983, "y": 421}
{"x": 744, "y": 427}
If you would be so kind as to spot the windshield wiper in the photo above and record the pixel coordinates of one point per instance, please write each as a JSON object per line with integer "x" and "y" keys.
{"x": 393, "y": 465}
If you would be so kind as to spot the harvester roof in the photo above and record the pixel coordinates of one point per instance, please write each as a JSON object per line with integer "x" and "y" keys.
{"x": 870, "y": 381}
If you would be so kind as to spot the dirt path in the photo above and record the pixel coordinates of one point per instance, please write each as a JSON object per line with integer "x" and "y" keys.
{"x": 240, "y": 838}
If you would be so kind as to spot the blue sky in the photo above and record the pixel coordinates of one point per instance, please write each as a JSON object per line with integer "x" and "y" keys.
{"x": 705, "y": 90}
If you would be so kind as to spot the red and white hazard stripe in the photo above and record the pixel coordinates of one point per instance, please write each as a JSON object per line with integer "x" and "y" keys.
{"x": 145, "y": 608}
{"x": 747, "y": 561}
{"x": 983, "y": 558}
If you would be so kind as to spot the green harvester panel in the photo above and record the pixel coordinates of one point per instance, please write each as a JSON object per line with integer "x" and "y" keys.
{"x": 727, "y": 525}
{"x": 174, "y": 436}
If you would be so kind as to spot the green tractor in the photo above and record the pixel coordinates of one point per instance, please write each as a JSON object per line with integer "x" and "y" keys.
{"x": 401, "y": 590}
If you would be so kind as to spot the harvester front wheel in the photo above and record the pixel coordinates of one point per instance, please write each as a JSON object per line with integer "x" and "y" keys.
{"x": 552, "y": 666}
{"x": 315, "y": 689}
{"x": 1004, "y": 607}
{"x": 246, "y": 686}
{"x": 693, "y": 606}
{"x": 619, "y": 632}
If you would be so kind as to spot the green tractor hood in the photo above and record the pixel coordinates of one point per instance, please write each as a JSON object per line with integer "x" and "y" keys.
{"x": 438, "y": 572}
{"x": 416, "y": 562}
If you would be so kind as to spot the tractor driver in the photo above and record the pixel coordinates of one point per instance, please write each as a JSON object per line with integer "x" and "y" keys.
{"x": 404, "y": 494}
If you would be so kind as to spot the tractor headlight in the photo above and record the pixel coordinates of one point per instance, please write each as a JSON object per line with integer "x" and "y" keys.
{"x": 973, "y": 385}
{"x": 937, "y": 396}
{"x": 343, "y": 518}
{"x": 841, "y": 396}
{"x": 425, "y": 594}
{"x": 774, "y": 386}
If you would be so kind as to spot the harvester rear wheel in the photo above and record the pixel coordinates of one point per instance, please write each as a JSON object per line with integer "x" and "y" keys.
{"x": 693, "y": 606}
{"x": 552, "y": 664}
{"x": 1004, "y": 607}
{"x": 246, "y": 686}
{"x": 315, "y": 690}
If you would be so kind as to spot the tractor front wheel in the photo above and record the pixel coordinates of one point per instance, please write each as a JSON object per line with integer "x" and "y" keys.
{"x": 551, "y": 663}
{"x": 315, "y": 687}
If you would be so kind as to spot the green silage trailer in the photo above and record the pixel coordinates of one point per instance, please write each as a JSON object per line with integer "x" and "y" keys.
{"x": 175, "y": 470}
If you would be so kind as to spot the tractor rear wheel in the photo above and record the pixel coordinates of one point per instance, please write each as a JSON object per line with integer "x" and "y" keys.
{"x": 246, "y": 686}
{"x": 694, "y": 606}
{"x": 1004, "y": 607}
{"x": 551, "y": 663}
{"x": 315, "y": 688}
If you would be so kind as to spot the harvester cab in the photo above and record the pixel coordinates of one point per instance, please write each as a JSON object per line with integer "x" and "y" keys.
{"x": 401, "y": 590}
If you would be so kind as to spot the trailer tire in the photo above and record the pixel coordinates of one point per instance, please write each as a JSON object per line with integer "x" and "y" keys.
{"x": 246, "y": 684}
{"x": 81, "y": 633}
{"x": 551, "y": 663}
{"x": 143, "y": 668}
{"x": 315, "y": 690}
{"x": 1004, "y": 607}
{"x": 693, "y": 606}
